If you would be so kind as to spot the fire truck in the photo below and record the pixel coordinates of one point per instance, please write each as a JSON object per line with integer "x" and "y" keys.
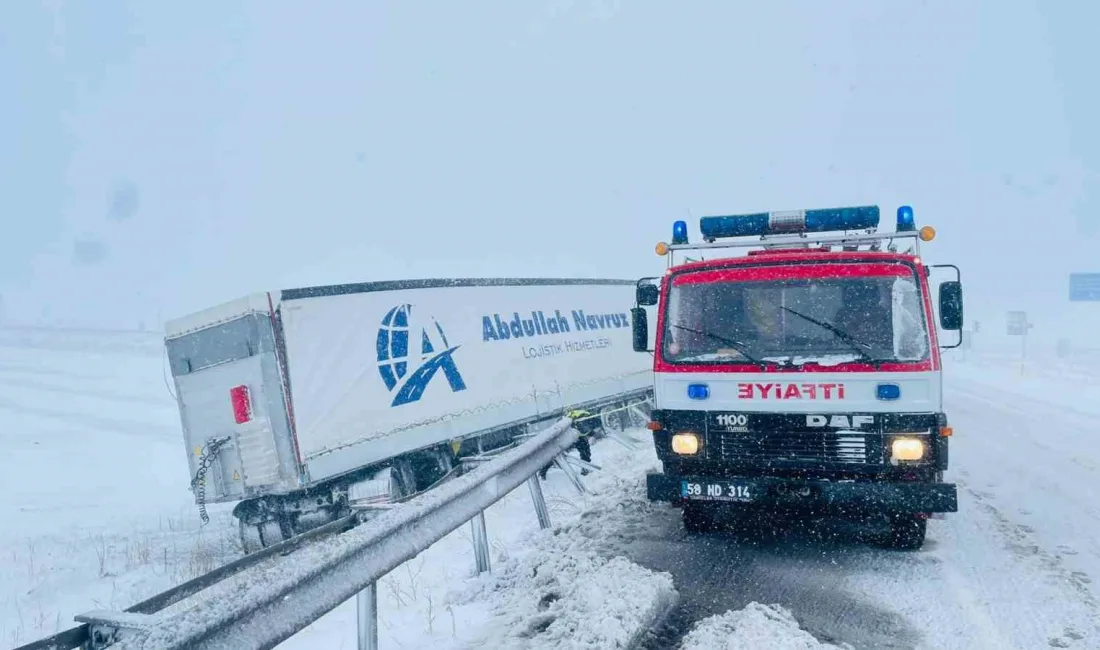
{"x": 803, "y": 376}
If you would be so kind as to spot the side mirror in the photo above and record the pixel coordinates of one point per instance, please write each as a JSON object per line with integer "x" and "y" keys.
{"x": 646, "y": 294}
{"x": 951, "y": 305}
{"x": 640, "y": 327}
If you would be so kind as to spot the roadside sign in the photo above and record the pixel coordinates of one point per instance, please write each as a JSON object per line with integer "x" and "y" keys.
{"x": 1017, "y": 323}
{"x": 1018, "y": 326}
{"x": 1084, "y": 287}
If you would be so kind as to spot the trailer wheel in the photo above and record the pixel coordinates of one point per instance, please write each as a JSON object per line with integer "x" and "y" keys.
{"x": 432, "y": 466}
{"x": 404, "y": 477}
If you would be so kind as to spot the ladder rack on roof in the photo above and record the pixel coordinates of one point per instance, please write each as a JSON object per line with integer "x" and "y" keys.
{"x": 849, "y": 228}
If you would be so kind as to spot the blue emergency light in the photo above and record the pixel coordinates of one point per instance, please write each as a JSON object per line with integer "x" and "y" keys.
{"x": 906, "y": 223}
{"x": 888, "y": 391}
{"x": 679, "y": 233}
{"x": 698, "y": 391}
{"x": 791, "y": 221}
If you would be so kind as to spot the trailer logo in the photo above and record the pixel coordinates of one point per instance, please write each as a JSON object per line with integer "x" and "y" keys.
{"x": 395, "y": 360}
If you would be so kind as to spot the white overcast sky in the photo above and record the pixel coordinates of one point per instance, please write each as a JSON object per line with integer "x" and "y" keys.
{"x": 275, "y": 144}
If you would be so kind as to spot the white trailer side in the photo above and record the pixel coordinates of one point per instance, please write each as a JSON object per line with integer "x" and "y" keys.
{"x": 375, "y": 373}
{"x": 345, "y": 383}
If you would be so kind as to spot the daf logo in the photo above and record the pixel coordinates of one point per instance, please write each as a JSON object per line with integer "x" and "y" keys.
{"x": 839, "y": 421}
{"x": 732, "y": 420}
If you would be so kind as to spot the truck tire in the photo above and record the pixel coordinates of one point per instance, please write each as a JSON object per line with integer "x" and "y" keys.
{"x": 907, "y": 532}
{"x": 255, "y": 537}
{"x": 697, "y": 518}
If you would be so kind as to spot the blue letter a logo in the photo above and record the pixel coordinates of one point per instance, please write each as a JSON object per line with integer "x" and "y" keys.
{"x": 394, "y": 338}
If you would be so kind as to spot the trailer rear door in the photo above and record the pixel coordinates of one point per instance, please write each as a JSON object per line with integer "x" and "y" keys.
{"x": 233, "y": 410}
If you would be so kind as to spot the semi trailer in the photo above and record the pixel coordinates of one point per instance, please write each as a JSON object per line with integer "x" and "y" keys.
{"x": 303, "y": 404}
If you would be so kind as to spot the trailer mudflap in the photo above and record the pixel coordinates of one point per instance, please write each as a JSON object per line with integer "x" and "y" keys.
{"x": 882, "y": 496}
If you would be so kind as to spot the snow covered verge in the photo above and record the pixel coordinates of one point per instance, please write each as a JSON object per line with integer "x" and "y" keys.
{"x": 97, "y": 515}
{"x": 563, "y": 588}
{"x": 96, "y": 509}
{"x": 560, "y": 594}
{"x": 755, "y": 626}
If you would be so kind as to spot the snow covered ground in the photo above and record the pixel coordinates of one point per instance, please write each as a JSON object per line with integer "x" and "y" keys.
{"x": 96, "y": 514}
{"x": 101, "y": 517}
{"x": 95, "y": 504}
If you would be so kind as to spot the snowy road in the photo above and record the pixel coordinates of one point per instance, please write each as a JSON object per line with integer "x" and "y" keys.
{"x": 1013, "y": 569}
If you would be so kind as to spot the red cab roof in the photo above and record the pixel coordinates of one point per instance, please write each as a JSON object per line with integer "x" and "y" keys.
{"x": 801, "y": 255}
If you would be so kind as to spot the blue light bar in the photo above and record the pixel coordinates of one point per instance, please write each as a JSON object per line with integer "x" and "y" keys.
{"x": 906, "y": 223}
{"x": 791, "y": 221}
{"x": 679, "y": 233}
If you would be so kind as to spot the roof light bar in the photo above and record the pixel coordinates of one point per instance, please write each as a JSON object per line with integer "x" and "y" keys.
{"x": 790, "y": 221}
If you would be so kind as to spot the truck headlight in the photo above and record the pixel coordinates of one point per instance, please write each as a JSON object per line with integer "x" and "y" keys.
{"x": 685, "y": 444}
{"x": 907, "y": 449}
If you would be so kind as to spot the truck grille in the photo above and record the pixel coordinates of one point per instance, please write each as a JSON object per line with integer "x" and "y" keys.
{"x": 797, "y": 448}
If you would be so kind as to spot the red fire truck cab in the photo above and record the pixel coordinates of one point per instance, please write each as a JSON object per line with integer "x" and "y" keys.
{"x": 803, "y": 376}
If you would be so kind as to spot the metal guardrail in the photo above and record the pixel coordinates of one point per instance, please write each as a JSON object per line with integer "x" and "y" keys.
{"x": 264, "y": 598}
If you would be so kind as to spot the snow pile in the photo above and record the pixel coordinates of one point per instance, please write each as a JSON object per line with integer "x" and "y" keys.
{"x": 567, "y": 588}
{"x": 560, "y": 595}
{"x": 755, "y": 626}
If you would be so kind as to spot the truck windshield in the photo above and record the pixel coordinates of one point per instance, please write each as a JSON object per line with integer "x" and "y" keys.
{"x": 795, "y": 321}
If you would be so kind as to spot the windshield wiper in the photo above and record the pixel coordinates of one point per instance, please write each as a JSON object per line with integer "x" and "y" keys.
{"x": 859, "y": 347}
{"x": 736, "y": 345}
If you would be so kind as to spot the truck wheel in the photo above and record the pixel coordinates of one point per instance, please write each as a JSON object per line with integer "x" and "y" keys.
{"x": 428, "y": 468}
{"x": 907, "y": 532}
{"x": 697, "y": 518}
{"x": 255, "y": 537}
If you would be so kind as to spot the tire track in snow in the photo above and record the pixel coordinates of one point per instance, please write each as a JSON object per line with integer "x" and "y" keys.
{"x": 1021, "y": 542}
{"x": 1026, "y": 466}
{"x": 804, "y": 569}
{"x": 1008, "y": 455}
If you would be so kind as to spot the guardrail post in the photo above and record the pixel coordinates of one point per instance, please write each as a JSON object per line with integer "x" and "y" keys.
{"x": 540, "y": 502}
{"x": 366, "y": 602}
{"x": 481, "y": 542}
{"x": 574, "y": 478}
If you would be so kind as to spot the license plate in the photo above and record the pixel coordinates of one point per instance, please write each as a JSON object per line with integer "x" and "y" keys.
{"x": 717, "y": 491}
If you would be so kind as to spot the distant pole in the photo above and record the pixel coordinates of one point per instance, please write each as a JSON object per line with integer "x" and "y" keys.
{"x": 1023, "y": 348}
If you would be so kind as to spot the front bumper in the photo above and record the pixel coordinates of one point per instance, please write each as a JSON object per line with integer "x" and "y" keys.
{"x": 812, "y": 494}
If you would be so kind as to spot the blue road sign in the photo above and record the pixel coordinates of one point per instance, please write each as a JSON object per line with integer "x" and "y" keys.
{"x": 1084, "y": 287}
